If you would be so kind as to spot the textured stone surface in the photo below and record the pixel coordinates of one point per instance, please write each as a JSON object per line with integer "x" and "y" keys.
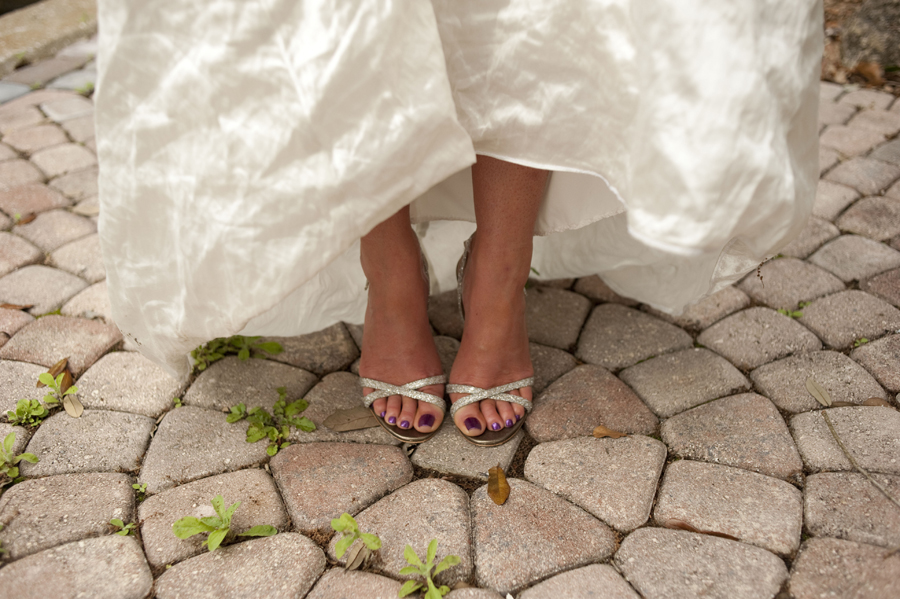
{"x": 443, "y": 312}
{"x": 832, "y": 199}
{"x": 31, "y": 198}
{"x": 51, "y": 338}
{"x": 836, "y": 568}
{"x": 45, "y": 288}
{"x": 745, "y": 431}
{"x": 535, "y": 534}
{"x": 127, "y": 382}
{"x": 98, "y": 441}
{"x": 36, "y": 138}
{"x": 22, "y": 118}
{"x": 413, "y": 515}
{"x": 874, "y": 217}
{"x": 866, "y": 175}
{"x": 595, "y": 289}
{"x": 80, "y": 129}
{"x": 882, "y": 359}
{"x": 756, "y": 336}
{"x": 79, "y": 185}
{"x": 55, "y": 228}
{"x": 320, "y": 481}
{"x": 708, "y": 310}
{"x": 831, "y": 113}
{"x": 583, "y": 399}
{"x": 13, "y": 320}
{"x": 816, "y": 232}
{"x": 615, "y": 337}
{"x": 473, "y": 593}
{"x": 784, "y": 381}
{"x": 889, "y": 152}
{"x": 847, "y": 506}
{"x": 43, "y": 513}
{"x": 283, "y": 567}
{"x": 192, "y": 443}
{"x": 18, "y": 172}
{"x": 613, "y": 479}
{"x": 850, "y": 141}
{"x": 17, "y": 381}
{"x": 15, "y": 252}
{"x": 450, "y": 453}
{"x": 674, "y": 564}
{"x": 110, "y": 567}
{"x": 827, "y": 159}
{"x": 70, "y": 106}
{"x": 63, "y": 159}
{"x": 844, "y": 317}
{"x": 91, "y": 302}
{"x": 254, "y": 382}
{"x": 886, "y": 286}
{"x": 870, "y": 434}
{"x": 253, "y": 488}
{"x": 338, "y": 583}
{"x": 867, "y": 98}
{"x": 82, "y": 258}
{"x": 322, "y": 352}
{"x": 851, "y": 257}
{"x": 554, "y": 316}
{"x": 756, "y": 509}
{"x": 19, "y": 441}
{"x": 787, "y": 282}
{"x": 589, "y": 582}
{"x": 675, "y": 382}
{"x": 549, "y": 364}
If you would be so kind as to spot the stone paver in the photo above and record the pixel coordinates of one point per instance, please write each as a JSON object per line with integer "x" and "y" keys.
{"x": 850, "y": 141}
{"x": 757, "y": 509}
{"x": 867, "y": 98}
{"x": 23, "y": 118}
{"x": 757, "y": 336}
{"x": 866, "y": 175}
{"x": 282, "y": 567}
{"x": 127, "y": 382}
{"x": 886, "y": 286}
{"x": 91, "y": 302}
{"x": 17, "y": 381}
{"x": 13, "y": 320}
{"x": 816, "y": 232}
{"x": 443, "y": 312}
{"x": 827, "y": 159}
{"x": 832, "y": 199}
{"x": 69, "y": 106}
{"x": 52, "y": 338}
{"x": 321, "y": 353}
{"x": 473, "y": 593}
{"x": 535, "y": 534}
{"x": 55, "y": 228}
{"x": 449, "y": 452}
{"x": 79, "y": 185}
{"x": 31, "y": 198}
{"x": 595, "y": 289}
{"x": 589, "y": 582}
{"x": 549, "y": 364}
{"x": 851, "y": 257}
{"x": 584, "y": 398}
{"x": 37, "y": 138}
{"x": 192, "y": 443}
{"x": 320, "y": 481}
{"x": 413, "y": 515}
{"x": 254, "y": 488}
{"x": 338, "y": 583}
{"x": 10, "y": 91}
{"x": 616, "y": 337}
{"x": 876, "y": 217}
{"x": 43, "y": 513}
{"x": 45, "y": 288}
{"x": 18, "y": 172}
{"x": 889, "y": 152}
{"x": 613, "y": 479}
{"x": 6, "y": 153}
{"x": 15, "y": 252}
{"x": 745, "y": 431}
{"x": 831, "y": 113}
{"x": 98, "y": 441}
{"x": 847, "y": 506}
{"x": 110, "y": 567}
{"x": 845, "y": 317}
{"x": 254, "y": 382}
{"x": 870, "y": 434}
{"x": 882, "y": 359}
{"x": 673, "y": 383}
{"x": 20, "y": 440}
{"x": 787, "y": 282}
{"x": 63, "y": 159}
{"x": 836, "y": 568}
{"x": 41, "y": 72}
{"x": 784, "y": 381}
{"x": 554, "y": 316}
{"x": 674, "y": 564}
{"x": 709, "y": 310}
{"x": 337, "y": 391}
{"x": 829, "y": 92}
{"x": 80, "y": 129}
{"x": 82, "y": 258}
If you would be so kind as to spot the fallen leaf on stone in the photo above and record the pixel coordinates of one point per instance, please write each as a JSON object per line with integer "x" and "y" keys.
{"x": 72, "y": 406}
{"x": 498, "y": 488}
{"x": 872, "y": 71}
{"x": 55, "y": 371}
{"x": 601, "y": 431}
{"x": 351, "y": 420}
{"x": 16, "y": 306}
{"x": 682, "y": 525}
{"x": 877, "y": 401}
{"x": 26, "y": 218}
{"x": 842, "y": 404}
{"x": 818, "y": 391}
{"x": 357, "y": 555}
{"x": 89, "y": 210}
{"x": 67, "y": 381}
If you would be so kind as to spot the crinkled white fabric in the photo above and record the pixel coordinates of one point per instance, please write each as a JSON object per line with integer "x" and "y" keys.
{"x": 246, "y": 146}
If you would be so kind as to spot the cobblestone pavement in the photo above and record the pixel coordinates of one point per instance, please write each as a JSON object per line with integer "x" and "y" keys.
{"x": 722, "y": 433}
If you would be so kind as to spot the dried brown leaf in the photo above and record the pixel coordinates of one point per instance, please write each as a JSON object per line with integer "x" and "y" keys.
{"x": 55, "y": 371}
{"x": 67, "y": 381}
{"x": 498, "y": 488}
{"x": 818, "y": 391}
{"x": 877, "y": 401}
{"x": 872, "y": 71}
{"x": 16, "y": 306}
{"x": 682, "y": 525}
{"x": 357, "y": 556}
{"x": 72, "y": 406}
{"x": 26, "y": 218}
{"x": 350, "y": 420}
{"x": 843, "y": 404}
{"x": 601, "y": 431}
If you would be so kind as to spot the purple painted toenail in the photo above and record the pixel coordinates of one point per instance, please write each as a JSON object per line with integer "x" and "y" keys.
{"x": 383, "y": 413}
{"x": 518, "y": 417}
{"x": 392, "y": 420}
{"x": 404, "y": 424}
{"x": 509, "y": 423}
{"x": 496, "y": 426}
{"x": 426, "y": 420}
{"x": 472, "y": 424}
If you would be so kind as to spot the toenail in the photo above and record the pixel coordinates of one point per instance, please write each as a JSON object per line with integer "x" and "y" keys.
{"x": 518, "y": 417}
{"x": 383, "y": 413}
{"x": 496, "y": 426}
{"x": 404, "y": 424}
{"x": 426, "y": 420}
{"x": 509, "y": 422}
{"x": 392, "y": 420}
{"x": 472, "y": 424}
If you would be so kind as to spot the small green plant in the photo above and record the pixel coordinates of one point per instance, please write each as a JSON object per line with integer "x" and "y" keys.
{"x": 177, "y": 402}
{"x": 85, "y": 90}
{"x": 28, "y": 412}
{"x": 8, "y": 461}
{"x": 802, "y": 305}
{"x": 790, "y": 313}
{"x": 141, "y": 490}
{"x": 347, "y": 526}
{"x": 276, "y": 426}
{"x": 217, "y": 526}
{"x": 31, "y": 412}
{"x": 860, "y": 341}
{"x": 243, "y": 347}
{"x": 124, "y": 529}
{"x": 424, "y": 570}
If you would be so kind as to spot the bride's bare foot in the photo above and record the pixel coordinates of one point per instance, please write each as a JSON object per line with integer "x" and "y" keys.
{"x": 494, "y": 348}
{"x": 397, "y": 345}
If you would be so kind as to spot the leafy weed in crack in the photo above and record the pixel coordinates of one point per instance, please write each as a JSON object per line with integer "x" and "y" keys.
{"x": 860, "y": 341}
{"x": 424, "y": 570}
{"x": 31, "y": 412}
{"x": 176, "y": 401}
{"x": 124, "y": 529}
{"x": 8, "y": 461}
{"x": 347, "y": 526}
{"x": 276, "y": 426}
{"x": 141, "y": 491}
{"x": 217, "y": 526}
{"x": 242, "y": 347}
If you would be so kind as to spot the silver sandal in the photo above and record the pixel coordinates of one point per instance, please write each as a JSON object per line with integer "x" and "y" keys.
{"x": 411, "y": 390}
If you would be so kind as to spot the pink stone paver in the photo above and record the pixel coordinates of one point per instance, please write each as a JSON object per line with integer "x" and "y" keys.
{"x": 31, "y": 198}
{"x": 18, "y": 172}
{"x": 63, "y": 159}
{"x": 36, "y": 138}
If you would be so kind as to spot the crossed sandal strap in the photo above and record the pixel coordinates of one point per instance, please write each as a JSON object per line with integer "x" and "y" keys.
{"x": 500, "y": 393}
{"x": 383, "y": 389}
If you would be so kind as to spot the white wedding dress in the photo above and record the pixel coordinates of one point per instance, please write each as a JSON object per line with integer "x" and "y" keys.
{"x": 245, "y": 146}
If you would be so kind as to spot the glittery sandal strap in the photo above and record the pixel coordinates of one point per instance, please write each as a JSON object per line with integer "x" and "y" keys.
{"x": 410, "y": 390}
{"x": 496, "y": 393}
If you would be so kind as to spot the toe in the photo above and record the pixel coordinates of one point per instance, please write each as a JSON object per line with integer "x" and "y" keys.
{"x": 507, "y": 415}
{"x": 428, "y": 417}
{"x": 469, "y": 420}
{"x": 491, "y": 416}
{"x": 394, "y": 405}
{"x": 407, "y": 414}
{"x": 379, "y": 406}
